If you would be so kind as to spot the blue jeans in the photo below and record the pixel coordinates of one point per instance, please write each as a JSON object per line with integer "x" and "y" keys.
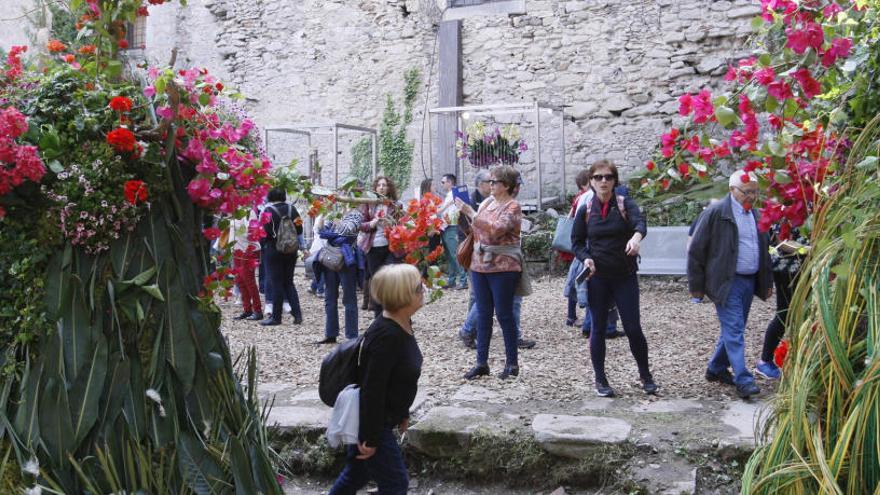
{"x": 347, "y": 278}
{"x": 470, "y": 323}
{"x": 623, "y": 291}
{"x": 495, "y": 294}
{"x": 731, "y": 346}
{"x": 318, "y": 282}
{"x": 385, "y": 467}
{"x": 280, "y": 284}
{"x": 450, "y": 245}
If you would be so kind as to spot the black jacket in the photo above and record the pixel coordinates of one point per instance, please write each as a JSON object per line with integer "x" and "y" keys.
{"x": 388, "y": 377}
{"x": 604, "y": 239}
{"x": 712, "y": 254}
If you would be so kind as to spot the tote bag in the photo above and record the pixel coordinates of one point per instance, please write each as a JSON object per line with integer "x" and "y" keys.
{"x": 562, "y": 237}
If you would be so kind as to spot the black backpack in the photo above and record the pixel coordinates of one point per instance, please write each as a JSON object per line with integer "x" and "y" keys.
{"x": 286, "y": 240}
{"x": 339, "y": 369}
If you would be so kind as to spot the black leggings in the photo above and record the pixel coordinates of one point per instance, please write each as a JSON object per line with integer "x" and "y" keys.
{"x": 377, "y": 257}
{"x": 785, "y": 283}
{"x": 602, "y": 294}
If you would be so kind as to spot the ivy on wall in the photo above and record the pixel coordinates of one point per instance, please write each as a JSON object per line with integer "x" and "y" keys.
{"x": 395, "y": 150}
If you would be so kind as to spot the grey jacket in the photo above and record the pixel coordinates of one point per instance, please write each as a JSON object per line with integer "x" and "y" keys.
{"x": 712, "y": 254}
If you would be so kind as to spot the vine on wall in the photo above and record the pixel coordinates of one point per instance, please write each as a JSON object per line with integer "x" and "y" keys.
{"x": 395, "y": 150}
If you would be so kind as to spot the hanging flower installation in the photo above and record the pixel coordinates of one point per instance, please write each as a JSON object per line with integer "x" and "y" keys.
{"x": 483, "y": 147}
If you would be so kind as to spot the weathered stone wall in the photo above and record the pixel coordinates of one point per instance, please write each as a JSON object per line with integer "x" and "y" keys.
{"x": 619, "y": 65}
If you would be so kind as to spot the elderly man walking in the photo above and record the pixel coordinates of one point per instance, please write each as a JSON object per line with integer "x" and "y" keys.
{"x": 729, "y": 261}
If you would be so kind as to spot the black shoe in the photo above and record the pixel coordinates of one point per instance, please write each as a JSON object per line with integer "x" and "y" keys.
{"x": 615, "y": 334}
{"x": 328, "y": 340}
{"x": 479, "y": 370}
{"x": 569, "y": 322}
{"x": 603, "y": 390}
{"x": 468, "y": 341}
{"x": 724, "y": 377}
{"x": 270, "y": 322}
{"x": 649, "y": 386}
{"x": 509, "y": 371}
{"x": 747, "y": 390}
{"x": 255, "y": 316}
{"x": 244, "y": 316}
{"x": 297, "y": 321}
{"x": 525, "y": 343}
{"x": 585, "y": 335}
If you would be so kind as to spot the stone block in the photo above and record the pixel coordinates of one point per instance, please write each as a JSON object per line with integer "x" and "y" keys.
{"x": 617, "y": 103}
{"x": 447, "y": 431}
{"x": 288, "y": 418}
{"x": 582, "y": 109}
{"x": 745, "y": 11}
{"x": 578, "y": 436}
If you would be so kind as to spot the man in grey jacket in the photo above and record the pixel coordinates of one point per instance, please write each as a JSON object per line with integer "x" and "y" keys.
{"x": 729, "y": 261}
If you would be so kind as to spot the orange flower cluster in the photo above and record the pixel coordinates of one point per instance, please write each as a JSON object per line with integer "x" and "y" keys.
{"x": 410, "y": 235}
{"x": 55, "y": 46}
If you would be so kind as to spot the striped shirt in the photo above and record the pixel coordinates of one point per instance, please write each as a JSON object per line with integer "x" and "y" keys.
{"x": 747, "y": 253}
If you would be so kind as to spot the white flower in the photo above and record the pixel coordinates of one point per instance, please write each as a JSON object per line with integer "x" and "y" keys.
{"x": 32, "y": 466}
{"x": 222, "y": 175}
{"x": 476, "y": 130}
{"x": 510, "y": 133}
{"x": 36, "y": 490}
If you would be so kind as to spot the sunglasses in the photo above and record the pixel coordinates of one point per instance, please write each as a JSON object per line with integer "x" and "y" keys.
{"x": 493, "y": 182}
{"x": 605, "y": 177}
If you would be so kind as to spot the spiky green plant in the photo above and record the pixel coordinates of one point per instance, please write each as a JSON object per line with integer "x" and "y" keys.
{"x": 822, "y": 436}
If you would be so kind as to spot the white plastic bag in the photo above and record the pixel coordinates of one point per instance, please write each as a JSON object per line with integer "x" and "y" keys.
{"x": 345, "y": 420}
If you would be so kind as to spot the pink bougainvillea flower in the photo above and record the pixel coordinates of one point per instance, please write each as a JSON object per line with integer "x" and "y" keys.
{"x": 780, "y": 90}
{"x": 809, "y": 86}
{"x": 212, "y": 233}
{"x": 840, "y": 48}
{"x": 811, "y": 36}
{"x": 765, "y": 76}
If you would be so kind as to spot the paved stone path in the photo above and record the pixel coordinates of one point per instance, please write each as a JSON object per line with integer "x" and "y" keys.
{"x": 656, "y": 444}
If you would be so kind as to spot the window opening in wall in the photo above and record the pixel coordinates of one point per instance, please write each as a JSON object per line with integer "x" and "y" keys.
{"x": 136, "y": 33}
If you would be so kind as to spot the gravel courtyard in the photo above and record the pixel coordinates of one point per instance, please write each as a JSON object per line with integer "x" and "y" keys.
{"x": 681, "y": 336}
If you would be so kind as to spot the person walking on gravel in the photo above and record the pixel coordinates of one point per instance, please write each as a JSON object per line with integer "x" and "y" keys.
{"x": 605, "y": 236}
{"x": 729, "y": 261}
{"x": 388, "y": 377}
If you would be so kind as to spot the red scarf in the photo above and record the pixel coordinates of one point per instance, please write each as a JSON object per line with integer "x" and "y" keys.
{"x": 605, "y": 208}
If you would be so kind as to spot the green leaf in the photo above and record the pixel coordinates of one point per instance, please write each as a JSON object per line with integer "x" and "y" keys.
{"x": 764, "y": 60}
{"x": 154, "y": 291}
{"x": 56, "y": 166}
{"x": 757, "y": 23}
{"x": 204, "y": 99}
{"x": 86, "y": 390}
{"x": 771, "y": 104}
{"x": 179, "y": 348}
{"x": 781, "y": 177}
{"x": 56, "y": 426}
{"x": 790, "y": 108}
{"x": 200, "y": 472}
{"x": 725, "y": 116}
{"x": 241, "y": 468}
{"x": 26, "y": 423}
{"x": 143, "y": 277}
{"x": 114, "y": 69}
{"x": 776, "y": 148}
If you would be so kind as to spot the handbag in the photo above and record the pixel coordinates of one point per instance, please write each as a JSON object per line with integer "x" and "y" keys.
{"x": 465, "y": 252}
{"x": 562, "y": 236}
{"x": 331, "y": 257}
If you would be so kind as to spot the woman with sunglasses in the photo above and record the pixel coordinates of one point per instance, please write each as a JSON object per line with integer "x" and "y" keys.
{"x": 605, "y": 237}
{"x": 388, "y": 376}
{"x": 496, "y": 267}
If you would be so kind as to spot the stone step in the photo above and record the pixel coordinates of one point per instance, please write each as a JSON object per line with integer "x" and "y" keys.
{"x": 658, "y": 445}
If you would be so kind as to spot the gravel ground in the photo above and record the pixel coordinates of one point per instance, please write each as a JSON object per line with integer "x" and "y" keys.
{"x": 681, "y": 336}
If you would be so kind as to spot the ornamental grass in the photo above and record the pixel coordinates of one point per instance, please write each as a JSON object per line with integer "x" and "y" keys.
{"x": 822, "y": 436}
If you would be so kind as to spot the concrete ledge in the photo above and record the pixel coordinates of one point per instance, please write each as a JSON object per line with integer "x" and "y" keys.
{"x": 577, "y": 436}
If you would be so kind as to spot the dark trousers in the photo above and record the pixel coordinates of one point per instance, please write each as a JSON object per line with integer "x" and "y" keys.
{"x": 494, "y": 294}
{"x": 385, "y": 467}
{"x": 281, "y": 267}
{"x": 623, "y": 291}
{"x": 785, "y": 283}
{"x": 347, "y": 279}
{"x": 377, "y": 257}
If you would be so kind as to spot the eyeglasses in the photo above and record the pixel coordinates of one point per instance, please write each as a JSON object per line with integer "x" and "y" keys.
{"x": 486, "y": 181}
{"x": 605, "y": 177}
{"x": 492, "y": 182}
{"x": 420, "y": 288}
{"x": 747, "y": 192}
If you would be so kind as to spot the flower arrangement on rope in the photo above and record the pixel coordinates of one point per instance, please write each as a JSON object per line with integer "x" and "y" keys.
{"x": 408, "y": 238}
{"x": 483, "y": 147}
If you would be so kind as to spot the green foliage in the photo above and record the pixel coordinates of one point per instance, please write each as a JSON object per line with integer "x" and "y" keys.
{"x": 362, "y": 160}
{"x": 395, "y": 151}
{"x": 63, "y": 24}
{"x": 665, "y": 208}
{"x": 23, "y": 260}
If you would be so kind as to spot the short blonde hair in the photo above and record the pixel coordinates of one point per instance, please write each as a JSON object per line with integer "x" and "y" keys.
{"x": 395, "y": 286}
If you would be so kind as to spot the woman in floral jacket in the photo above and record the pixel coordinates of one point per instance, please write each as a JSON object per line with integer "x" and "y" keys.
{"x": 496, "y": 267}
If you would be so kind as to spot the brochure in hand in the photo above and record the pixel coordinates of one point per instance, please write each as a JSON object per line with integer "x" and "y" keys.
{"x": 462, "y": 193}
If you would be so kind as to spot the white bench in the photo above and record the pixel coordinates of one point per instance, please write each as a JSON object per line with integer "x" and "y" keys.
{"x": 664, "y": 251}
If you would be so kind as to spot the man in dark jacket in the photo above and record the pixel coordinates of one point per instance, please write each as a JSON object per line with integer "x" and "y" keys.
{"x": 729, "y": 261}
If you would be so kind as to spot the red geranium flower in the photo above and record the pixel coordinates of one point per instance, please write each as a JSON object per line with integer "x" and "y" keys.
{"x": 120, "y": 104}
{"x": 121, "y": 139}
{"x": 123, "y": 43}
{"x": 135, "y": 190}
{"x": 87, "y": 49}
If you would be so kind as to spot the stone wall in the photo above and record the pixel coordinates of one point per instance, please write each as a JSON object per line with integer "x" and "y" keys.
{"x": 619, "y": 65}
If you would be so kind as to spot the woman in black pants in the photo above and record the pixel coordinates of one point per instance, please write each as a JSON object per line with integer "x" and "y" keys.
{"x": 374, "y": 243}
{"x": 388, "y": 377}
{"x": 787, "y": 259}
{"x": 280, "y": 266}
{"x": 606, "y": 236}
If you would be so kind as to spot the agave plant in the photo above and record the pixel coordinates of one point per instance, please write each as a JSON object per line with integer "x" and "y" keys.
{"x": 822, "y": 436}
